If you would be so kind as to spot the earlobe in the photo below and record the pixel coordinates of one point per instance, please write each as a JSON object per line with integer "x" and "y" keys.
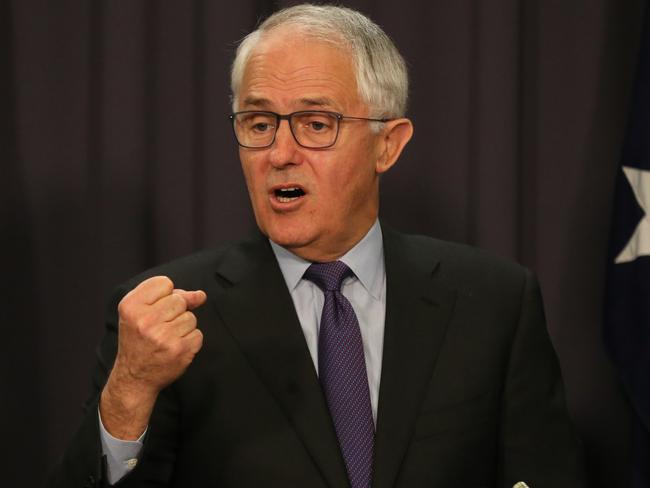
{"x": 394, "y": 136}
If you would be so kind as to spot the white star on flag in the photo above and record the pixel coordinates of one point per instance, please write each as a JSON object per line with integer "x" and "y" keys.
{"x": 639, "y": 243}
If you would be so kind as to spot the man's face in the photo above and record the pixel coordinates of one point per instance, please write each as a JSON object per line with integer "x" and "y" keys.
{"x": 339, "y": 185}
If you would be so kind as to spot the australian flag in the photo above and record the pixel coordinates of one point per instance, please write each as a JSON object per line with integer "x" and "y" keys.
{"x": 627, "y": 306}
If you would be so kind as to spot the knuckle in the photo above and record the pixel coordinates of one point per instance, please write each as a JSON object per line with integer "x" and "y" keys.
{"x": 128, "y": 316}
{"x": 175, "y": 349}
{"x": 165, "y": 283}
{"x": 124, "y": 307}
{"x": 160, "y": 342}
{"x": 188, "y": 317}
{"x": 170, "y": 305}
{"x": 178, "y": 302}
{"x": 141, "y": 322}
{"x": 123, "y": 312}
{"x": 156, "y": 285}
{"x": 198, "y": 340}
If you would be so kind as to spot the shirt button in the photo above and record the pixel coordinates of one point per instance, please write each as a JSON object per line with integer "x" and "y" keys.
{"x": 130, "y": 463}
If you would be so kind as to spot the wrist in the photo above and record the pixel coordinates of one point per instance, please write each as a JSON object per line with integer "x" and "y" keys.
{"x": 131, "y": 389}
{"x": 125, "y": 407}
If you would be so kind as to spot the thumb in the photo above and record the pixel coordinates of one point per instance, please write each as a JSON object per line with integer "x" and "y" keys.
{"x": 193, "y": 299}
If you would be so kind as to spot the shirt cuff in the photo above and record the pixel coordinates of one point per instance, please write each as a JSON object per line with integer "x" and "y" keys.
{"x": 121, "y": 456}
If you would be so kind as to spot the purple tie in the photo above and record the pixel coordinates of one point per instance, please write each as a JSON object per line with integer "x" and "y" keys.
{"x": 342, "y": 372}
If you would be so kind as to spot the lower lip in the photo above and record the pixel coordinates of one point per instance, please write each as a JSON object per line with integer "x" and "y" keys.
{"x": 289, "y": 206}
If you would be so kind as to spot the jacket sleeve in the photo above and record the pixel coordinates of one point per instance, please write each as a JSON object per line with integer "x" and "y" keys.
{"x": 83, "y": 464}
{"x": 538, "y": 444}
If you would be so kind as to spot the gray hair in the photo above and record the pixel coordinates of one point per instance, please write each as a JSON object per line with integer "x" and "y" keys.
{"x": 381, "y": 74}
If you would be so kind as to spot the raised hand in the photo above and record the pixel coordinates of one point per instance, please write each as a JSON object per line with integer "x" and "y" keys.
{"x": 158, "y": 340}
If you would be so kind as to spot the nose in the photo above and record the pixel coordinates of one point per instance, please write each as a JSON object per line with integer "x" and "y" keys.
{"x": 284, "y": 150}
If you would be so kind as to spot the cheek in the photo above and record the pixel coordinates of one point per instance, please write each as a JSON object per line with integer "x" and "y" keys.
{"x": 359, "y": 172}
{"x": 347, "y": 188}
{"x": 252, "y": 175}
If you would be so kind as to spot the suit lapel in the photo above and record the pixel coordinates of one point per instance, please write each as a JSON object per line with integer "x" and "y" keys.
{"x": 257, "y": 309}
{"x": 417, "y": 312}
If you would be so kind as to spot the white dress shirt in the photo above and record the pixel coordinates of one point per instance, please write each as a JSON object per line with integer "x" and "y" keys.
{"x": 366, "y": 291}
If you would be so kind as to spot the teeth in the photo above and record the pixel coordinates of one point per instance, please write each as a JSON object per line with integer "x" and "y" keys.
{"x": 286, "y": 199}
{"x": 285, "y": 195}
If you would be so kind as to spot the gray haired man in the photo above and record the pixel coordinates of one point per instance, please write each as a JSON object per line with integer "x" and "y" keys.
{"x": 329, "y": 350}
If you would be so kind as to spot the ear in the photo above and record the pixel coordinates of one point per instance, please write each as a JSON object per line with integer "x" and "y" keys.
{"x": 393, "y": 137}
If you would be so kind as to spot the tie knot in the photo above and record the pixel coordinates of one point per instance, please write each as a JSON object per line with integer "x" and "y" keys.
{"x": 328, "y": 276}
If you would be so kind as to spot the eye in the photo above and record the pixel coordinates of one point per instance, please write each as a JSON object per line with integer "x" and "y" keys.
{"x": 258, "y": 123}
{"x": 260, "y": 126}
{"x": 316, "y": 122}
{"x": 317, "y": 125}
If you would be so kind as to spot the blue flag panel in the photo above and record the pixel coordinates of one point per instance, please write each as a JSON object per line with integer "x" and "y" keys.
{"x": 627, "y": 306}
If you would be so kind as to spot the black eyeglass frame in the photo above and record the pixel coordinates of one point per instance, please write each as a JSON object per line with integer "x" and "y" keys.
{"x": 279, "y": 117}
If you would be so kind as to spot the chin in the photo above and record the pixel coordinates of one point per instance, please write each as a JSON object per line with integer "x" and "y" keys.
{"x": 289, "y": 240}
{"x": 284, "y": 234}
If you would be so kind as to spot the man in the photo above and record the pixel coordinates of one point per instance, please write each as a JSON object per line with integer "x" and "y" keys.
{"x": 329, "y": 350}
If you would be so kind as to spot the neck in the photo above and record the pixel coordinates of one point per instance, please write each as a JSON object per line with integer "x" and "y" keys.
{"x": 330, "y": 251}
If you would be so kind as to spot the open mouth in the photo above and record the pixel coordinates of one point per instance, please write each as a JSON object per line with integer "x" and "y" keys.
{"x": 285, "y": 195}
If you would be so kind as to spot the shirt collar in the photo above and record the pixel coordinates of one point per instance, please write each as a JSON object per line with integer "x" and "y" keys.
{"x": 365, "y": 259}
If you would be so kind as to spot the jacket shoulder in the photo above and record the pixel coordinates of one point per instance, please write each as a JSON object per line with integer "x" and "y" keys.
{"x": 192, "y": 271}
{"x": 462, "y": 266}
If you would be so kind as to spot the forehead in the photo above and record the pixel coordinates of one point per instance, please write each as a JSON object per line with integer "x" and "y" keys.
{"x": 288, "y": 70}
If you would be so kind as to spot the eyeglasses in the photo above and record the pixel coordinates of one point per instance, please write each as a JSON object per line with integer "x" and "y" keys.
{"x": 313, "y": 129}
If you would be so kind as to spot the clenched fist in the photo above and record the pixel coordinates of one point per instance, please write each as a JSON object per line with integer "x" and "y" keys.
{"x": 158, "y": 339}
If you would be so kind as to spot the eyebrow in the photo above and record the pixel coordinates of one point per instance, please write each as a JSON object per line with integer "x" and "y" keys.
{"x": 317, "y": 102}
{"x": 259, "y": 102}
{"x": 256, "y": 102}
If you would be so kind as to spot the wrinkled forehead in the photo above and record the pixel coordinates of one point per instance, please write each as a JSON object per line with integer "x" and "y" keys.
{"x": 288, "y": 61}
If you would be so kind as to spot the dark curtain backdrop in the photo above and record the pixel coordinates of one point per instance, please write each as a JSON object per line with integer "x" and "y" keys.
{"x": 116, "y": 154}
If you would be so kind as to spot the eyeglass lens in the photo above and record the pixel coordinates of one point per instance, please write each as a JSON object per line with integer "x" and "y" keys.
{"x": 310, "y": 129}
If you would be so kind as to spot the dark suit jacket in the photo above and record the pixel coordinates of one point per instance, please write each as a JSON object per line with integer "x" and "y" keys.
{"x": 470, "y": 394}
